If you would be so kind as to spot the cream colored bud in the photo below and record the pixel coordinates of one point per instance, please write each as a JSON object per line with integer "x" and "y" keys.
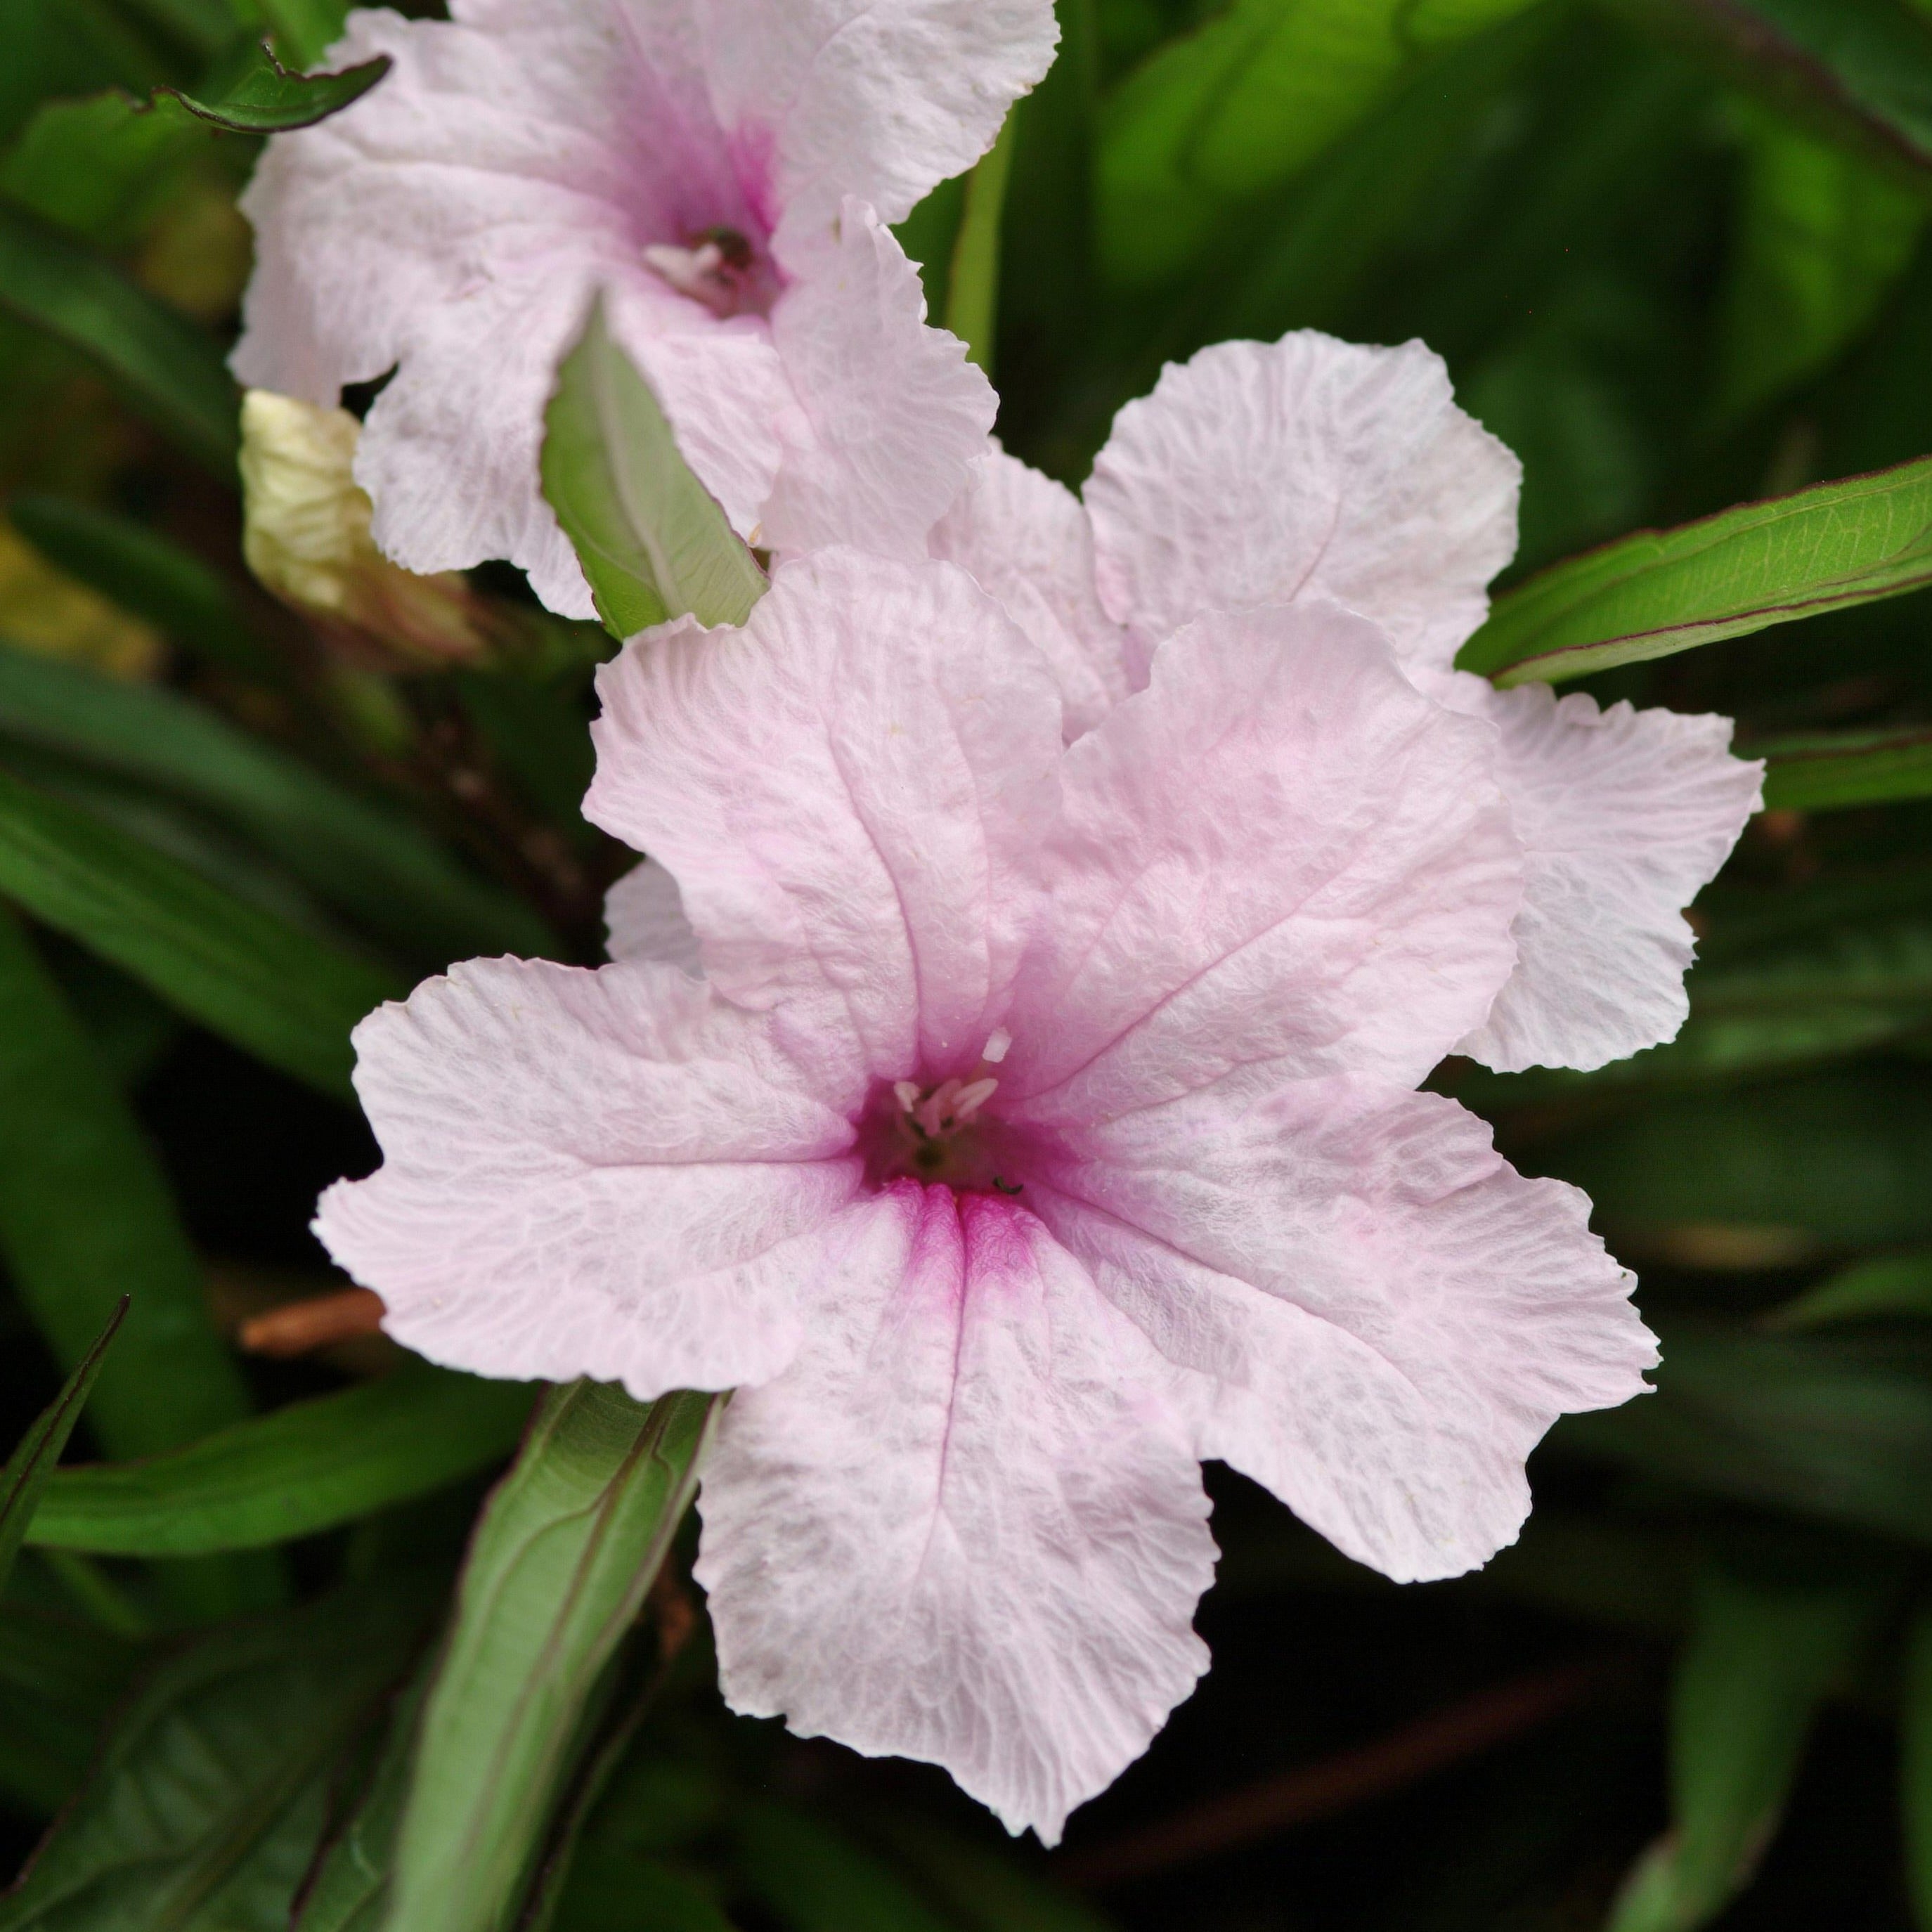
{"x": 305, "y": 533}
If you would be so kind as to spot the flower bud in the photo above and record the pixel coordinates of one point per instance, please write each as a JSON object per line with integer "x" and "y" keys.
{"x": 305, "y": 534}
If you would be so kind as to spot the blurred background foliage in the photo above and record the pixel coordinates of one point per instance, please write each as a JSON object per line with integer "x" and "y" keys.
{"x": 1675, "y": 252}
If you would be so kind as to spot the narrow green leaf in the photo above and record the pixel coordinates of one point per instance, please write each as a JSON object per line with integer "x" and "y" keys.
{"x": 1657, "y": 592}
{"x": 168, "y": 368}
{"x": 145, "y": 574}
{"x": 1838, "y": 1429}
{"x": 1823, "y": 237}
{"x": 565, "y": 1551}
{"x": 86, "y": 1218}
{"x": 1887, "y": 1288}
{"x": 372, "y": 863}
{"x": 204, "y": 1811}
{"x": 59, "y": 1681}
{"x": 266, "y": 98}
{"x": 1826, "y": 771}
{"x": 1242, "y": 105}
{"x": 1860, "y": 70}
{"x": 24, "y": 1480}
{"x": 812, "y": 1879}
{"x": 303, "y": 1468}
{"x": 101, "y": 168}
{"x": 973, "y": 285}
{"x": 276, "y": 992}
{"x": 1915, "y": 1779}
{"x": 652, "y": 539}
{"x": 349, "y": 1889}
{"x": 1761, "y": 1657}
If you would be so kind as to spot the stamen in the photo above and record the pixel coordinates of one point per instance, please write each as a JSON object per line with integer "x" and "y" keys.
{"x": 697, "y": 272}
{"x": 999, "y": 1044}
{"x": 950, "y": 1105}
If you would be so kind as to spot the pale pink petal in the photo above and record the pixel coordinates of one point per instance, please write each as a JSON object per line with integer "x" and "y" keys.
{"x": 1026, "y": 540}
{"x": 1280, "y": 858}
{"x": 889, "y": 416}
{"x": 1624, "y": 816}
{"x": 644, "y": 917}
{"x": 883, "y": 99}
{"x": 1388, "y": 1316}
{"x": 1262, "y": 473}
{"x": 966, "y": 1525}
{"x": 848, "y": 791}
{"x": 608, "y": 1173}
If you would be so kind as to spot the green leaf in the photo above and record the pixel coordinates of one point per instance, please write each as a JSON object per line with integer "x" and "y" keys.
{"x": 86, "y": 1218}
{"x": 651, "y": 538}
{"x": 265, "y": 97}
{"x": 349, "y": 1889}
{"x": 1915, "y": 1781}
{"x": 24, "y": 1480}
{"x": 205, "y": 1810}
{"x": 1887, "y": 1287}
{"x": 1657, "y": 592}
{"x": 1823, "y": 235}
{"x": 613, "y": 1892}
{"x": 1825, "y": 771}
{"x": 59, "y": 1681}
{"x": 146, "y": 574}
{"x": 1834, "y": 1428}
{"x": 276, "y": 992}
{"x": 101, "y": 168}
{"x": 168, "y": 368}
{"x": 1241, "y": 106}
{"x": 308, "y": 1467}
{"x": 813, "y": 1880}
{"x": 1859, "y": 70}
{"x": 565, "y": 1551}
{"x": 371, "y": 862}
{"x": 973, "y": 283}
{"x": 1761, "y": 1656}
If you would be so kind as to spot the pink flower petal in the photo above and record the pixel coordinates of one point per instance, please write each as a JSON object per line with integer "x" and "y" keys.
{"x": 848, "y": 792}
{"x": 965, "y": 1525}
{"x": 1624, "y": 816}
{"x": 889, "y": 415}
{"x": 1262, "y": 473}
{"x": 644, "y": 916}
{"x": 879, "y": 98}
{"x": 1280, "y": 859}
{"x": 1389, "y": 1315}
{"x": 606, "y": 1173}
{"x": 1026, "y": 540}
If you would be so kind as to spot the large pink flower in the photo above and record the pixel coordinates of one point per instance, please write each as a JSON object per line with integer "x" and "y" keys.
{"x": 1029, "y": 1123}
{"x": 1259, "y": 475}
{"x": 721, "y": 169}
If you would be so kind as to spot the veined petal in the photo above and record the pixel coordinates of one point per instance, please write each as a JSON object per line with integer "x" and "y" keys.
{"x": 1263, "y": 473}
{"x": 644, "y": 917}
{"x": 888, "y": 416}
{"x": 608, "y": 1173}
{"x": 883, "y": 99}
{"x": 1280, "y": 859}
{"x": 1624, "y": 816}
{"x": 1026, "y": 540}
{"x": 848, "y": 792}
{"x": 1387, "y": 1316}
{"x": 966, "y": 1525}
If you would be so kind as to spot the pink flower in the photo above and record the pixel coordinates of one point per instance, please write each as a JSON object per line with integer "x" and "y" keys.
{"x": 1260, "y": 475}
{"x": 1043, "y": 1121}
{"x": 721, "y": 169}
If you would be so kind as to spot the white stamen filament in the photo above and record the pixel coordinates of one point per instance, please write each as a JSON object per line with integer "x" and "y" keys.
{"x": 697, "y": 272}
{"x": 999, "y": 1044}
{"x": 950, "y": 1105}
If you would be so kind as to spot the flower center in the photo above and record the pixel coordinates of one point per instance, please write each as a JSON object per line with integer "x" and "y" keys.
{"x": 940, "y": 1131}
{"x": 718, "y": 268}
